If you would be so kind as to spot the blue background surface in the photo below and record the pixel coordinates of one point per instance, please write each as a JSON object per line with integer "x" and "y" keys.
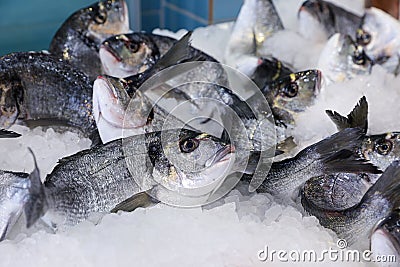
{"x": 30, "y": 25}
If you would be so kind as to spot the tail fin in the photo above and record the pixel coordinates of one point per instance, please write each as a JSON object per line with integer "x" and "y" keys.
{"x": 358, "y": 117}
{"x": 8, "y": 134}
{"x": 37, "y": 203}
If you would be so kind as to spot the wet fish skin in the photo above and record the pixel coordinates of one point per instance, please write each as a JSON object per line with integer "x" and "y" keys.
{"x": 78, "y": 40}
{"x": 331, "y": 155}
{"x": 269, "y": 70}
{"x": 343, "y": 59}
{"x": 130, "y": 54}
{"x": 378, "y": 33}
{"x": 98, "y": 179}
{"x": 356, "y": 224}
{"x": 333, "y": 19}
{"x": 385, "y": 239}
{"x": 37, "y": 87}
{"x": 14, "y": 191}
{"x": 292, "y": 94}
{"x": 256, "y": 22}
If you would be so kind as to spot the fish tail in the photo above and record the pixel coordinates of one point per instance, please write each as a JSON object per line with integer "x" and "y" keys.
{"x": 358, "y": 117}
{"x": 36, "y": 205}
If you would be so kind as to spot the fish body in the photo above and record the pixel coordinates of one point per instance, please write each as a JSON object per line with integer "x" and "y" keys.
{"x": 78, "y": 39}
{"x": 385, "y": 239}
{"x": 378, "y": 35}
{"x": 342, "y": 59}
{"x": 327, "y": 156}
{"x": 343, "y": 190}
{"x": 327, "y": 18}
{"x": 269, "y": 70}
{"x": 356, "y": 224}
{"x": 292, "y": 94}
{"x": 129, "y": 54}
{"x": 14, "y": 189}
{"x": 38, "y": 88}
{"x": 256, "y": 22}
{"x": 98, "y": 179}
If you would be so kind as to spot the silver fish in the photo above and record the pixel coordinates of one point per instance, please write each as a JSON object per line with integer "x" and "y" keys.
{"x": 256, "y": 22}
{"x": 342, "y": 59}
{"x": 356, "y": 224}
{"x": 385, "y": 239}
{"x": 101, "y": 178}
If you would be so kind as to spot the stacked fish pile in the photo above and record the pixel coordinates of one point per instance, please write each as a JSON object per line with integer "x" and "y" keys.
{"x": 95, "y": 77}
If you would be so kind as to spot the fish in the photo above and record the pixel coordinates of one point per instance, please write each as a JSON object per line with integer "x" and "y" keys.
{"x": 342, "y": 59}
{"x": 333, "y": 154}
{"x": 342, "y": 190}
{"x": 256, "y": 22}
{"x": 78, "y": 39}
{"x": 126, "y": 55}
{"x": 292, "y": 94}
{"x": 39, "y": 89}
{"x": 8, "y": 134}
{"x": 385, "y": 238}
{"x": 269, "y": 70}
{"x": 377, "y": 34}
{"x": 19, "y": 191}
{"x": 355, "y": 224}
{"x": 103, "y": 178}
{"x": 319, "y": 18}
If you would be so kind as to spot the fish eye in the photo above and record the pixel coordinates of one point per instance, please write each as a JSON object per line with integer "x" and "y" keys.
{"x": 358, "y": 57}
{"x": 189, "y": 145}
{"x": 363, "y": 37}
{"x": 133, "y": 47}
{"x": 384, "y": 147}
{"x": 101, "y": 17}
{"x": 291, "y": 90}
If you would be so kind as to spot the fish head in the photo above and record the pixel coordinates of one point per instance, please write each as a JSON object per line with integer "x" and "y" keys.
{"x": 315, "y": 18}
{"x": 11, "y": 96}
{"x": 192, "y": 160}
{"x": 382, "y": 149}
{"x": 103, "y": 19}
{"x": 342, "y": 59}
{"x": 378, "y": 34}
{"x": 111, "y": 99}
{"x": 385, "y": 238}
{"x": 128, "y": 54}
{"x": 293, "y": 94}
{"x": 14, "y": 193}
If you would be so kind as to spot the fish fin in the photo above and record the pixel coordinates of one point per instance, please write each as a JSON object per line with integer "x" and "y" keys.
{"x": 178, "y": 52}
{"x": 8, "y": 134}
{"x": 388, "y": 185}
{"x": 358, "y": 117}
{"x": 95, "y": 138}
{"x": 142, "y": 199}
{"x": 346, "y": 161}
{"x": 349, "y": 139}
{"x": 32, "y": 123}
{"x": 37, "y": 203}
{"x": 285, "y": 146}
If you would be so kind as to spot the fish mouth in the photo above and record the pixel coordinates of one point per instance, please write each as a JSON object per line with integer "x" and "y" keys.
{"x": 107, "y": 48}
{"x": 387, "y": 235}
{"x": 222, "y": 155}
{"x": 115, "y": 115}
{"x": 308, "y": 7}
